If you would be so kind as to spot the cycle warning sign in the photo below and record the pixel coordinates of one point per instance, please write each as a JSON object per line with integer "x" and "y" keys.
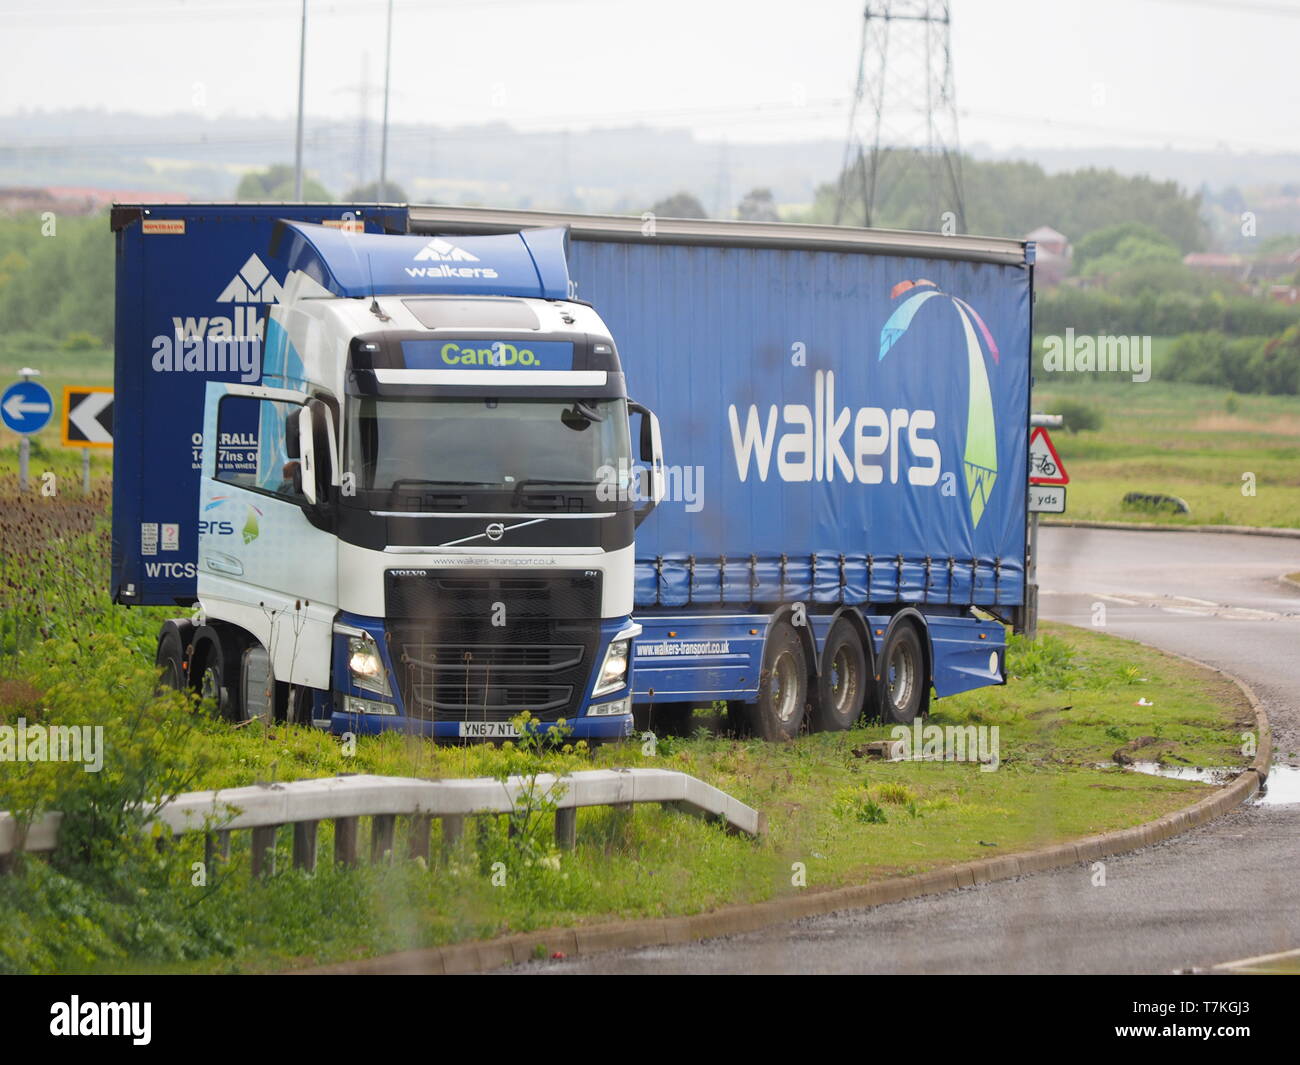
{"x": 1045, "y": 465}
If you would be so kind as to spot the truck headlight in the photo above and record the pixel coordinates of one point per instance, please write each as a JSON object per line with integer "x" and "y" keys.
{"x": 613, "y": 671}
{"x": 365, "y": 665}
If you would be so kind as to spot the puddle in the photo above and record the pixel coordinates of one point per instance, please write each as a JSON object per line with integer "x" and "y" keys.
{"x": 1205, "y": 774}
{"x": 1282, "y": 786}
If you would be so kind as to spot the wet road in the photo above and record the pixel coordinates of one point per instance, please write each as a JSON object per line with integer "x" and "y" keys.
{"x": 1227, "y": 890}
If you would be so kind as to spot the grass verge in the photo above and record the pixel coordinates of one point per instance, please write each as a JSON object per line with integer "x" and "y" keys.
{"x": 110, "y": 900}
{"x": 1234, "y": 459}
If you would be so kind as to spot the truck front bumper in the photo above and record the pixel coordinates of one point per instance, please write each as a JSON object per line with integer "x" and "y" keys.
{"x": 596, "y": 718}
{"x": 598, "y": 728}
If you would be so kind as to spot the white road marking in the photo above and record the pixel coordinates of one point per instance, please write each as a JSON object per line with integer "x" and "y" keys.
{"x": 1185, "y": 605}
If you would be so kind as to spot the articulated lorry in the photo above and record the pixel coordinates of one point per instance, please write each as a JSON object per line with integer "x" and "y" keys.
{"x": 427, "y": 468}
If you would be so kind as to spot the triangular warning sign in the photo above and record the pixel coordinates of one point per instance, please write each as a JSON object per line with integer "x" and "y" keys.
{"x": 1045, "y": 465}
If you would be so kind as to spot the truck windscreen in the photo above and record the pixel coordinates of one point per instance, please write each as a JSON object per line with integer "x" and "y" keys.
{"x": 487, "y": 443}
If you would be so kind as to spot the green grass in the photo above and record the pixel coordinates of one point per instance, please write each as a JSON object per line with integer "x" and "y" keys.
{"x": 1191, "y": 441}
{"x": 110, "y": 901}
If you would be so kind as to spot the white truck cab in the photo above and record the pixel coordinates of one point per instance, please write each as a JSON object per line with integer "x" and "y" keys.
{"x": 422, "y": 517}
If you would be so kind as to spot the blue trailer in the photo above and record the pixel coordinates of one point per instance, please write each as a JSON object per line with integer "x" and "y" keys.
{"x": 824, "y": 515}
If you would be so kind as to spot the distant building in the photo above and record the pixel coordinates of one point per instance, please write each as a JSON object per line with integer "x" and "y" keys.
{"x": 1287, "y": 294}
{"x": 1052, "y": 255}
{"x": 1215, "y": 263}
{"x": 77, "y": 200}
{"x": 1274, "y": 267}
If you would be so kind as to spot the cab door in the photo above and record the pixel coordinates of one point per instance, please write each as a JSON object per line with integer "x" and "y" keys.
{"x": 266, "y": 561}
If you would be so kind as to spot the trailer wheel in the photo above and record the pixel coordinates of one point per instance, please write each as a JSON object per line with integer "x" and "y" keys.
{"x": 218, "y": 674}
{"x": 902, "y": 675}
{"x": 783, "y": 687}
{"x": 843, "y": 685}
{"x": 171, "y": 661}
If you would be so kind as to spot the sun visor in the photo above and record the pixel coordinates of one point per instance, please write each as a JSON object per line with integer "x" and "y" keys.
{"x": 356, "y": 265}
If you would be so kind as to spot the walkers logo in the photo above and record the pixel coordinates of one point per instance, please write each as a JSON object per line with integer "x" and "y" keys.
{"x": 253, "y": 284}
{"x": 444, "y": 252}
{"x": 980, "y": 460}
{"x": 219, "y": 343}
{"x": 217, "y": 525}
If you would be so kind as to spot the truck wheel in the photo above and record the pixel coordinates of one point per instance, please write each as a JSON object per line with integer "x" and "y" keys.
{"x": 783, "y": 687}
{"x": 171, "y": 661}
{"x": 843, "y": 684}
{"x": 217, "y": 677}
{"x": 902, "y": 676}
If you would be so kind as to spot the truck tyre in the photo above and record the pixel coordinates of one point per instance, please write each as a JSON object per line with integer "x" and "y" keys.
{"x": 219, "y": 659}
{"x": 783, "y": 685}
{"x": 171, "y": 661}
{"x": 902, "y": 675}
{"x": 843, "y": 685}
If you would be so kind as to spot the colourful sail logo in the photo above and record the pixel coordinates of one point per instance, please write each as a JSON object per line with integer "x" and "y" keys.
{"x": 980, "y": 459}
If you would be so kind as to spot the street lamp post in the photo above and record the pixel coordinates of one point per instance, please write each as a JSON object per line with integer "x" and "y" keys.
{"x": 383, "y": 142}
{"x": 302, "y": 72}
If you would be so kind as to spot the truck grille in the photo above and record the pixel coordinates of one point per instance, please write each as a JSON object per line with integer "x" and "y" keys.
{"x": 454, "y": 664}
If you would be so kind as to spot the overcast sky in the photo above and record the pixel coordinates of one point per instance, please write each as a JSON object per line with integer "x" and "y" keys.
{"x": 1039, "y": 73}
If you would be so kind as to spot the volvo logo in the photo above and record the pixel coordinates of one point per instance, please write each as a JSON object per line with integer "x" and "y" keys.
{"x": 495, "y": 531}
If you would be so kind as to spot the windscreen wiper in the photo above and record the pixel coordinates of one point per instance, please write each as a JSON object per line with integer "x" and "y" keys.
{"x": 398, "y": 485}
{"x": 425, "y": 490}
{"x": 519, "y": 488}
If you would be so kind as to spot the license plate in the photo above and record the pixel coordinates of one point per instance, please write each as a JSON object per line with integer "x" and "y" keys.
{"x": 489, "y": 730}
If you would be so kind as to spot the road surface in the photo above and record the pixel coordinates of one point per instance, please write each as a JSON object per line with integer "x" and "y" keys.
{"x": 1228, "y": 890}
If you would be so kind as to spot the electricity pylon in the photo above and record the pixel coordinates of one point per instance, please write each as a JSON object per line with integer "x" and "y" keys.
{"x": 903, "y": 124}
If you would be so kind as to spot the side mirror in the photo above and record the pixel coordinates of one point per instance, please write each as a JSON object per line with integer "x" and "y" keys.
{"x": 652, "y": 457}
{"x": 306, "y": 452}
{"x": 315, "y": 440}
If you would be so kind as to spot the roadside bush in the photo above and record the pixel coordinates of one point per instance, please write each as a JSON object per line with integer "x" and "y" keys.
{"x": 108, "y": 892}
{"x": 1240, "y": 363}
{"x": 1047, "y": 662}
{"x": 1099, "y": 313}
{"x": 80, "y": 340}
{"x": 1077, "y": 416}
{"x": 1275, "y": 366}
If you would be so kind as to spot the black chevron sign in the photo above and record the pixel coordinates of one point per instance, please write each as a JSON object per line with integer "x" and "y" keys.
{"x": 87, "y": 416}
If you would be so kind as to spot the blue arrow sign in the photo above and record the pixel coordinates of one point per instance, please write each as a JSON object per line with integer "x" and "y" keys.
{"x": 26, "y": 407}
